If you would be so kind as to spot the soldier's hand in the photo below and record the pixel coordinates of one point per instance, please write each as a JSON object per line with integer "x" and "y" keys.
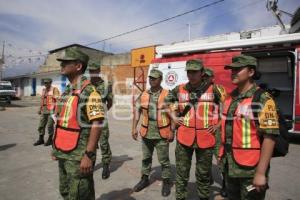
{"x": 212, "y": 129}
{"x": 171, "y": 137}
{"x": 134, "y": 134}
{"x": 178, "y": 121}
{"x": 260, "y": 182}
{"x": 86, "y": 165}
{"x": 53, "y": 157}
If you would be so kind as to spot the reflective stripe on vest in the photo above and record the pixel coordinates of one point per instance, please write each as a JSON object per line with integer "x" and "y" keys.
{"x": 68, "y": 130}
{"x": 245, "y": 143}
{"x": 163, "y": 120}
{"x": 196, "y": 122}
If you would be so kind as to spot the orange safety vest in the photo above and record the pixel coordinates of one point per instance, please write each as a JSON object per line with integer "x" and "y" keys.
{"x": 163, "y": 120}
{"x": 67, "y": 129}
{"x": 48, "y": 99}
{"x": 197, "y": 121}
{"x": 246, "y": 143}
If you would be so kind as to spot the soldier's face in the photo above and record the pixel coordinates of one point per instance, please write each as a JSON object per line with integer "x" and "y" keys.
{"x": 48, "y": 84}
{"x": 241, "y": 75}
{"x": 70, "y": 67}
{"x": 154, "y": 82}
{"x": 195, "y": 77}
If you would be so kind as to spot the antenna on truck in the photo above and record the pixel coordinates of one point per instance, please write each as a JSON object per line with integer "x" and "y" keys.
{"x": 272, "y": 6}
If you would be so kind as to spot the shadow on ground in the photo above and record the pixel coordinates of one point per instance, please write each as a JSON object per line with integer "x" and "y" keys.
{"x": 7, "y": 146}
{"x": 124, "y": 194}
{"x": 12, "y": 105}
{"x": 116, "y": 162}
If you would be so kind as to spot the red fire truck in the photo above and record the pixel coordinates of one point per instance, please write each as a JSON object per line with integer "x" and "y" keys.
{"x": 278, "y": 61}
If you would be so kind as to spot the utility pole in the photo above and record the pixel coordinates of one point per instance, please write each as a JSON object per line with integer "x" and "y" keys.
{"x": 189, "y": 30}
{"x": 2, "y": 62}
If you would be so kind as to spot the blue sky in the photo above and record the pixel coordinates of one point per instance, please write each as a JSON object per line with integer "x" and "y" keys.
{"x": 33, "y": 27}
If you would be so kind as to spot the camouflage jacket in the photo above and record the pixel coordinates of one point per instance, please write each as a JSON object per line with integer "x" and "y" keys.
{"x": 89, "y": 101}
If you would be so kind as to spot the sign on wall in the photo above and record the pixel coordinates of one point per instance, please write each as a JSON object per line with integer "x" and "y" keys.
{"x": 142, "y": 57}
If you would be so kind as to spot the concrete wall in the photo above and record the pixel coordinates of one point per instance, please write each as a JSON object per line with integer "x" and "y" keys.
{"x": 22, "y": 85}
{"x": 27, "y": 83}
{"x": 51, "y": 64}
{"x": 116, "y": 59}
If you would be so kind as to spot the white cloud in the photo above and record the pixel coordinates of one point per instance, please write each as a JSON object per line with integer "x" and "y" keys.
{"x": 67, "y": 22}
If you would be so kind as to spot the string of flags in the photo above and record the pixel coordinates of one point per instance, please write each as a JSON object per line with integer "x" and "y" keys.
{"x": 16, "y": 56}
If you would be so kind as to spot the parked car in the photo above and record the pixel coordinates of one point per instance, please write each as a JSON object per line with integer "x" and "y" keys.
{"x": 7, "y": 93}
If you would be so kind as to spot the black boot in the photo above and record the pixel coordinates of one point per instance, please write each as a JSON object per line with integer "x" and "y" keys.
{"x": 166, "y": 187}
{"x": 144, "y": 182}
{"x": 203, "y": 198}
{"x": 105, "y": 172}
{"x": 49, "y": 141}
{"x": 223, "y": 192}
{"x": 39, "y": 141}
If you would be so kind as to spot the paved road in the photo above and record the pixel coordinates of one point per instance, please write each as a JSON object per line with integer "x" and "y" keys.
{"x": 27, "y": 173}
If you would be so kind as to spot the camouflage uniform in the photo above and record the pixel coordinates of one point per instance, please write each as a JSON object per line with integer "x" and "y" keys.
{"x": 209, "y": 75}
{"x": 106, "y": 94}
{"x": 184, "y": 154}
{"x": 46, "y": 120}
{"x": 154, "y": 140}
{"x": 238, "y": 177}
{"x": 73, "y": 184}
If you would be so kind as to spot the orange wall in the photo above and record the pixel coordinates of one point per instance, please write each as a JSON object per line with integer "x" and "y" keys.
{"x": 118, "y": 75}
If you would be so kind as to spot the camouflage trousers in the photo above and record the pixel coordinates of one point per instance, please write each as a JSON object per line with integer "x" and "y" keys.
{"x": 184, "y": 156}
{"x": 162, "y": 149}
{"x": 104, "y": 146}
{"x": 44, "y": 120}
{"x": 72, "y": 184}
{"x": 236, "y": 189}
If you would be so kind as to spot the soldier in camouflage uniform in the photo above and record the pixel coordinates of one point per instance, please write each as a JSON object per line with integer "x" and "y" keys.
{"x": 184, "y": 151}
{"x": 79, "y": 117}
{"x": 247, "y": 163}
{"x": 46, "y": 110}
{"x": 105, "y": 90}
{"x": 154, "y": 133}
{"x": 209, "y": 76}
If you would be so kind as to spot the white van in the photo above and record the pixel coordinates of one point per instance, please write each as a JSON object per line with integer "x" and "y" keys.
{"x": 6, "y": 91}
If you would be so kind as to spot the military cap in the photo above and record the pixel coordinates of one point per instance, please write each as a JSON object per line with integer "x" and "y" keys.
{"x": 194, "y": 64}
{"x": 208, "y": 72}
{"x": 94, "y": 66}
{"x": 155, "y": 73}
{"x": 74, "y": 53}
{"x": 47, "y": 80}
{"x": 242, "y": 61}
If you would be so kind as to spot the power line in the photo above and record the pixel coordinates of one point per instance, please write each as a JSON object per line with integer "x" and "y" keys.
{"x": 155, "y": 23}
{"x": 183, "y": 27}
{"x": 140, "y": 28}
